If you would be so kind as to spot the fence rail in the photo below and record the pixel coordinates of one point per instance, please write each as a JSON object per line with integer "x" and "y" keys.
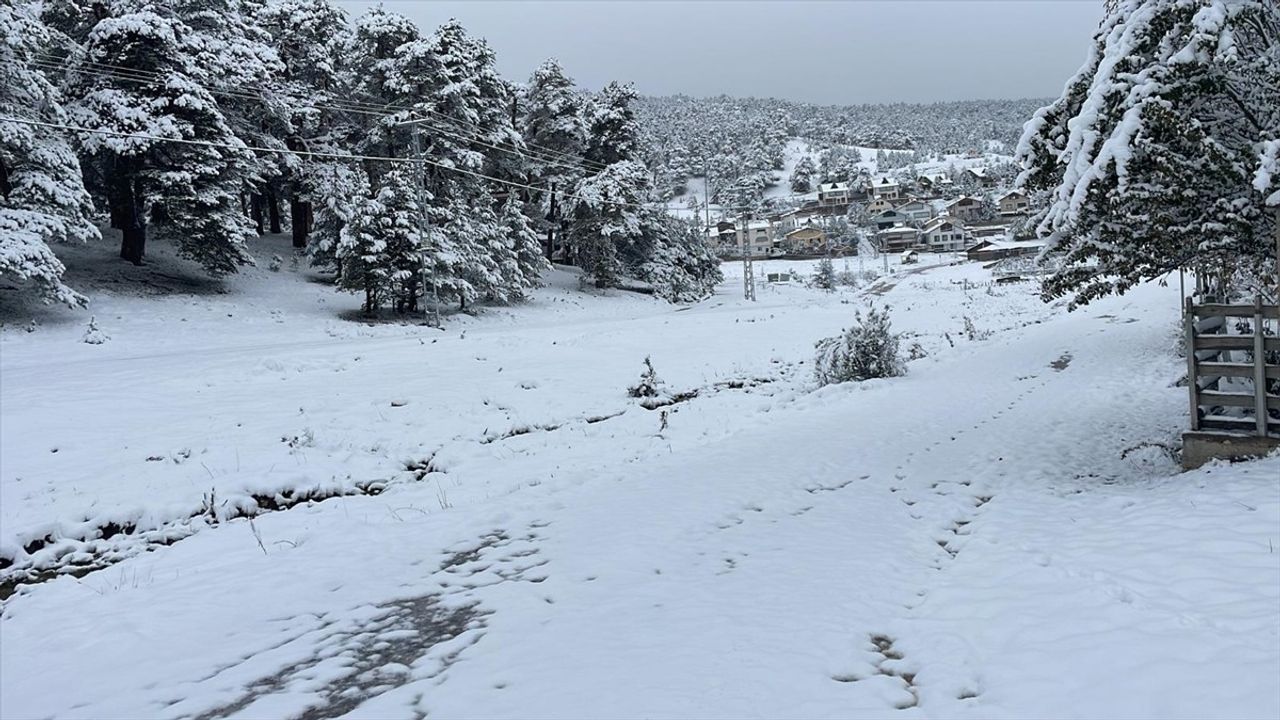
{"x": 1214, "y": 355}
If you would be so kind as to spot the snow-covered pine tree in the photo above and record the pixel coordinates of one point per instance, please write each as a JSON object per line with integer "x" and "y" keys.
{"x": 381, "y": 248}
{"x": 530, "y": 262}
{"x": 195, "y": 186}
{"x": 1151, "y": 155}
{"x": 676, "y": 260}
{"x": 310, "y": 37}
{"x": 605, "y": 218}
{"x": 612, "y": 130}
{"x": 802, "y": 175}
{"x": 42, "y": 196}
{"x": 824, "y": 275}
{"x": 337, "y": 188}
{"x": 555, "y": 133}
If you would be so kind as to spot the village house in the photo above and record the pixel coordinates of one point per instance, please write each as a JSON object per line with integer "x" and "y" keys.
{"x": 944, "y": 234}
{"x": 916, "y": 210}
{"x": 897, "y": 239}
{"x": 980, "y": 177}
{"x": 885, "y": 187}
{"x": 758, "y": 238}
{"x": 833, "y": 193}
{"x": 806, "y": 240}
{"x": 989, "y": 250}
{"x": 877, "y": 206}
{"x": 988, "y": 230}
{"x": 967, "y": 208}
{"x": 934, "y": 184}
{"x": 889, "y": 218}
{"x": 1014, "y": 202}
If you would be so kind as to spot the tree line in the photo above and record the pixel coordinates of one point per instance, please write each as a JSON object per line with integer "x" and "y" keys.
{"x": 407, "y": 165}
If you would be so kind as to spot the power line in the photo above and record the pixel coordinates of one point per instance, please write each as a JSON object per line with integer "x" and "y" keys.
{"x": 528, "y": 150}
{"x": 318, "y": 154}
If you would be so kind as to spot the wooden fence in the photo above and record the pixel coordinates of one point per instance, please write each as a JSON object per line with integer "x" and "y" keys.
{"x": 1227, "y": 370}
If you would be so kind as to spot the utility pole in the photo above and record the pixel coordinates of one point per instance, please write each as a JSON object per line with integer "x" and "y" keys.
{"x": 432, "y": 314}
{"x": 748, "y": 268}
{"x": 551, "y": 229}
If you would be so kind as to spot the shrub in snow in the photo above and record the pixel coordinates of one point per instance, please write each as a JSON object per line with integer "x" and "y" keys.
{"x": 93, "y": 335}
{"x": 650, "y": 384}
{"x": 972, "y": 332}
{"x": 869, "y": 349}
{"x": 276, "y": 262}
{"x": 824, "y": 275}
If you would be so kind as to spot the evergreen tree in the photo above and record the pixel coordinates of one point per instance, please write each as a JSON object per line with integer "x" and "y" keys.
{"x": 1151, "y": 155}
{"x": 309, "y": 37}
{"x": 605, "y": 219}
{"x": 194, "y": 187}
{"x": 530, "y": 263}
{"x": 42, "y": 197}
{"x": 802, "y": 175}
{"x": 612, "y": 131}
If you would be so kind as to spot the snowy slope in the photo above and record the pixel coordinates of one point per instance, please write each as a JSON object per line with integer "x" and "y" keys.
{"x": 986, "y": 537}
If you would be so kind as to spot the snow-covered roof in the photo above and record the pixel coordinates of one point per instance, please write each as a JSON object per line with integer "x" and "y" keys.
{"x": 1011, "y": 193}
{"x": 806, "y": 228}
{"x": 967, "y": 199}
{"x": 899, "y": 230}
{"x": 938, "y": 222}
{"x": 978, "y": 171}
{"x": 1007, "y": 245}
{"x": 885, "y": 182}
{"x": 833, "y": 187}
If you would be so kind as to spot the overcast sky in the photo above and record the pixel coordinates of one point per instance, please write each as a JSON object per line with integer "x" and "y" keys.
{"x": 826, "y": 52}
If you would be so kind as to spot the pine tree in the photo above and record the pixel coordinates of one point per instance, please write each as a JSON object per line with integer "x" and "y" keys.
{"x": 605, "y": 219}
{"x": 824, "y": 275}
{"x": 612, "y": 131}
{"x": 381, "y": 248}
{"x": 530, "y": 262}
{"x": 42, "y": 197}
{"x": 193, "y": 187}
{"x": 309, "y": 37}
{"x": 1151, "y": 155}
{"x": 801, "y": 175}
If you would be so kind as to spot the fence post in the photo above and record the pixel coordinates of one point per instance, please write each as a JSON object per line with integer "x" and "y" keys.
{"x": 1259, "y": 369}
{"x": 1193, "y": 382}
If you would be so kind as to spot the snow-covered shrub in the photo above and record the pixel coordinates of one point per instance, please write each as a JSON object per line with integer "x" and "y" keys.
{"x": 972, "y": 332}
{"x": 869, "y": 349}
{"x": 276, "y": 262}
{"x": 824, "y": 275}
{"x": 93, "y": 334}
{"x": 650, "y": 384}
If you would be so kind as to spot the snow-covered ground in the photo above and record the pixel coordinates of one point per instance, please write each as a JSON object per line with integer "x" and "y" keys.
{"x": 997, "y": 534}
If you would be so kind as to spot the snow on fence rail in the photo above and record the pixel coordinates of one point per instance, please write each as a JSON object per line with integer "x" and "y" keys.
{"x": 1233, "y": 368}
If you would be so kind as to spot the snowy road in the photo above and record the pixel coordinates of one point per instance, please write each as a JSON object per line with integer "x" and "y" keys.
{"x": 982, "y": 538}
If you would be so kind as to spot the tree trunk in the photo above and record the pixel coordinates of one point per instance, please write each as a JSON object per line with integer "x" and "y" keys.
{"x": 299, "y": 217}
{"x": 126, "y": 209}
{"x": 255, "y": 211}
{"x": 273, "y": 210}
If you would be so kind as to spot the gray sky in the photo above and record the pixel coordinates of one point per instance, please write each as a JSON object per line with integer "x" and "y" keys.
{"x": 826, "y": 52}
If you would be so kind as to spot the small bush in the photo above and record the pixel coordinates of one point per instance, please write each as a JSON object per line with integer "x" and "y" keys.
{"x": 650, "y": 384}
{"x": 824, "y": 275}
{"x": 869, "y": 349}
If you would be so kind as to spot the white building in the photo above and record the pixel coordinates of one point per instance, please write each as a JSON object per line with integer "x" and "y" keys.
{"x": 944, "y": 234}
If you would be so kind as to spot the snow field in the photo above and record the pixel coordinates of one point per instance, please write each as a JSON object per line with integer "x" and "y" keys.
{"x": 981, "y": 538}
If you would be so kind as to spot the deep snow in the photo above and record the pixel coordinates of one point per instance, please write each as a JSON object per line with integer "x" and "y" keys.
{"x": 998, "y": 534}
